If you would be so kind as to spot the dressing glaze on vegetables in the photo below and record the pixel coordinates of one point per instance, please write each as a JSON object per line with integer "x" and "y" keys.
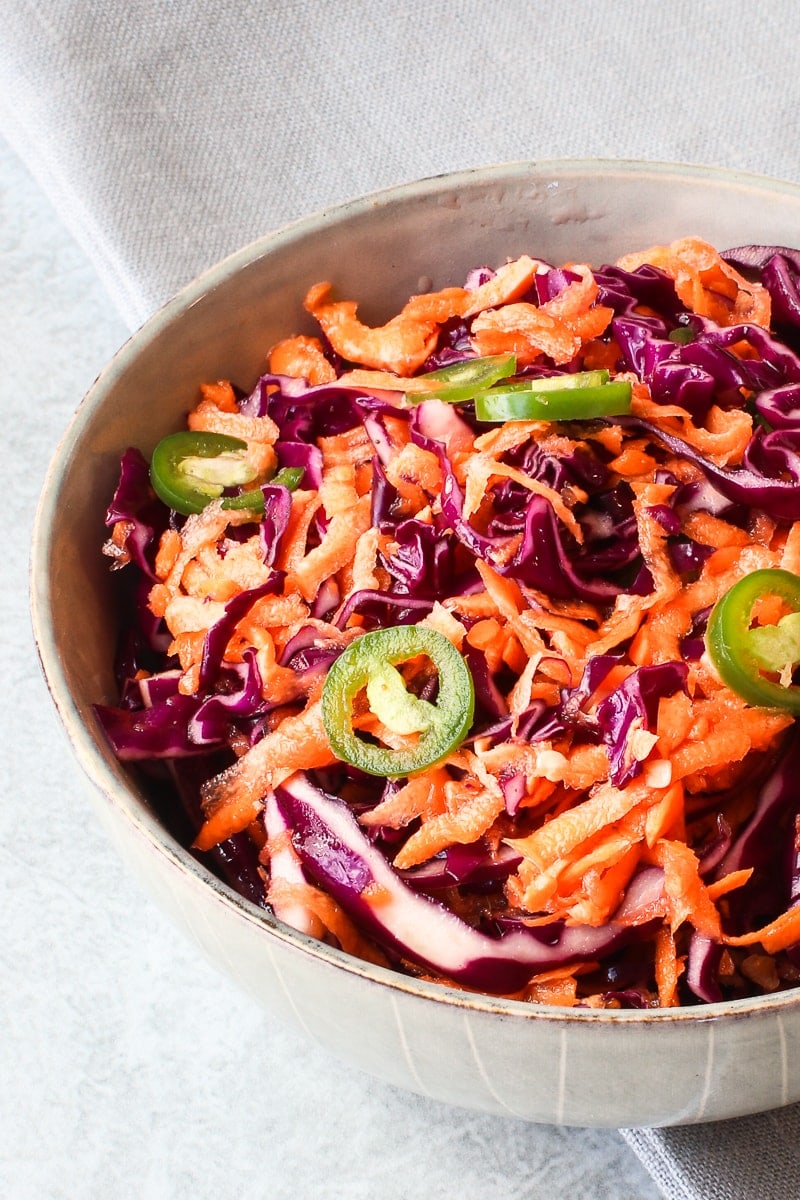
{"x": 467, "y": 643}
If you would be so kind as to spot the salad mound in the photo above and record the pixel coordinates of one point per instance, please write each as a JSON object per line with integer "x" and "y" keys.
{"x": 467, "y": 643}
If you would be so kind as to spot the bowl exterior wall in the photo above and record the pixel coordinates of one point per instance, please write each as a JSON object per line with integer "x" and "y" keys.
{"x": 546, "y": 1067}
{"x": 555, "y": 1065}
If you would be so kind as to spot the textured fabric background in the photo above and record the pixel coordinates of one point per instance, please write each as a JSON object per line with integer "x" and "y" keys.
{"x": 169, "y": 132}
{"x": 755, "y": 1158}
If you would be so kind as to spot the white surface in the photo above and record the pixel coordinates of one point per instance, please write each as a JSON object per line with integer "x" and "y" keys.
{"x": 129, "y": 1067}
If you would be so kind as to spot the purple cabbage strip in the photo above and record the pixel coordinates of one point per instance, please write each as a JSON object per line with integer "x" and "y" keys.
{"x": 545, "y": 561}
{"x": 766, "y": 843}
{"x": 144, "y": 642}
{"x": 643, "y": 895}
{"x": 712, "y": 854}
{"x": 155, "y": 689}
{"x": 642, "y": 342}
{"x": 384, "y": 497}
{"x": 167, "y": 724}
{"x": 778, "y": 498}
{"x": 211, "y": 723}
{"x": 571, "y": 709}
{"x": 704, "y": 371}
{"x": 513, "y": 785}
{"x": 781, "y": 278}
{"x": 327, "y": 600}
{"x": 135, "y": 502}
{"x": 301, "y": 454}
{"x": 774, "y": 453}
{"x": 423, "y": 563}
{"x": 382, "y": 608}
{"x": 542, "y": 559}
{"x": 339, "y": 857}
{"x": 151, "y": 733}
{"x": 687, "y": 557}
{"x": 635, "y": 700}
{"x": 780, "y": 406}
{"x": 537, "y": 723}
{"x": 646, "y": 286}
{"x": 308, "y": 650}
{"x": 778, "y": 269}
{"x": 277, "y": 510}
{"x": 777, "y": 362}
{"x": 221, "y": 632}
{"x": 302, "y": 413}
{"x": 753, "y": 258}
{"x": 454, "y": 345}
{"x": 462, "y": 866}
{"x": 489, "y": 700}
{"x": 549, "y": 284}
{"x": 702, "y": 968}
{"x": 309, "y": 655}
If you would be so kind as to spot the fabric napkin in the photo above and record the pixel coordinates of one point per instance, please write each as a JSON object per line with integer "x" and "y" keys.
{"x": 170, "y": 132}
{"x": 753, "y": 1158}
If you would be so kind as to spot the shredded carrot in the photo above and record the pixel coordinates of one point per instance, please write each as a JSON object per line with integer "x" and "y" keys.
{"x": 220, "y": 394}
{"x": 572, "y": 828}
{"x": 421, "y": 796}
{"x": 303, "y": 358}
{"x": 553, "y": 988}
{"x": 335, "y": 550}
{"x": 234, "y": 798}
{"x": 686, "y": 894}
{"x": 168, "y": 550}
{"x": 705, "y": 282}
{"x": 668, "y": 968}
{"x": 330, "y": 915}
{"x": 779, "y": 934}
{"x": 208, "y": 418}
{"x": 729, "y": 883}
{"x": 470, "y": 815}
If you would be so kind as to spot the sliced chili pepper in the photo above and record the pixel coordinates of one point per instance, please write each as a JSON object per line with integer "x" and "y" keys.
{"x": 189, "y": 470}
{"x": 757, "y": 661}
{"x": 577, "y": 397}
{"x": 460, "y": 381}
{"x": 369, "y": 664}
{"x": 288, "y": 477}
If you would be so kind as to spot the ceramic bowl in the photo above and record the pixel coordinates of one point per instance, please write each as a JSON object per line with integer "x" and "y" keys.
{"x": 541, "y": 1064}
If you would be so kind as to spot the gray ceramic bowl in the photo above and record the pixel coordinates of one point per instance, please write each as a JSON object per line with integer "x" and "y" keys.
{"x": 538, "y": 1063}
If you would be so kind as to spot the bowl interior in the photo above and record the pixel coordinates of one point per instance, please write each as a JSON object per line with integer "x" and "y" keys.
{"x": 378, "y": 250}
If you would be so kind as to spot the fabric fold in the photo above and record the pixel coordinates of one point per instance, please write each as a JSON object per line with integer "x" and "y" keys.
{"x": 749, "y": 1158}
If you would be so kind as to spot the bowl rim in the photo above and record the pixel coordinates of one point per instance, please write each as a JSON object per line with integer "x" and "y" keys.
{"x": 86, "y": 748}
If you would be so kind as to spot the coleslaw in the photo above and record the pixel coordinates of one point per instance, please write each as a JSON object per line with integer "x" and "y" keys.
{"x": 432, "y": 641}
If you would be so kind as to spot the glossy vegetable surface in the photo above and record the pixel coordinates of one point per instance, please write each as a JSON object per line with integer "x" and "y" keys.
{"x": 463, "y": 662}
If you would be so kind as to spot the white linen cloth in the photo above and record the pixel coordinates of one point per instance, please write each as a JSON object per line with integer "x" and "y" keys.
{"x": 167, "y": 133}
